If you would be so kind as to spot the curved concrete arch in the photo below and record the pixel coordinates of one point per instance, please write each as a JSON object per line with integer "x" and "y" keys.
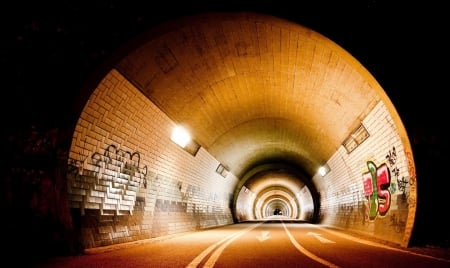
{"x": 260, "y": 95}
{"x": 265, "y": 175}
{"x": 233, "y": 67}
{"x": 264, "y": 199}
{"x": 278, "y": 205}
{"x": 264, "y": 138}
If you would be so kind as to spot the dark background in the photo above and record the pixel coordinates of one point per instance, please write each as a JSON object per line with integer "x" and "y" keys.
{"x": 49, "y": 50}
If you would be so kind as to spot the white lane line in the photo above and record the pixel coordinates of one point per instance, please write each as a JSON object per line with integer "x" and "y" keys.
{"x": 306, "y": 252}
{"x": 320, "y": 238}
{"x": 375, "y": 244}
{"x": 212, "y": 260}
{"x": 216, "y": 254}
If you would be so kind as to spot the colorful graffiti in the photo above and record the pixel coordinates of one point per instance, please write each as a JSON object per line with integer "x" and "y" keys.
{"x": 376, "y": 189}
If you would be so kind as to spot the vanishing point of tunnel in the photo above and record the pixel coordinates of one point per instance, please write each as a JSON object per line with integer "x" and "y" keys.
{"x": 266, "y": 103}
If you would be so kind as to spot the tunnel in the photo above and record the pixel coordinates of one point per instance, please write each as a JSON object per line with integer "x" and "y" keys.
{"x": 266, "y": 103}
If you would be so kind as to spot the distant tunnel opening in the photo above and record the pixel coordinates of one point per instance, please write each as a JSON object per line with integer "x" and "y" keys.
{"x": 274, "y": 192}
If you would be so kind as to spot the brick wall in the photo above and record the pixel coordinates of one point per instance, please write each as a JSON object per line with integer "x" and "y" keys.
{"x": 128, "y": 181}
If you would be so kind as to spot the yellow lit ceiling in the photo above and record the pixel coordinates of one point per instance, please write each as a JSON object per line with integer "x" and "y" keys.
{"x": 252, "y": 88}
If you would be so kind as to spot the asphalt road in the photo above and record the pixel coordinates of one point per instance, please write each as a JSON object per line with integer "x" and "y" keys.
{"x": 255, "y": 244}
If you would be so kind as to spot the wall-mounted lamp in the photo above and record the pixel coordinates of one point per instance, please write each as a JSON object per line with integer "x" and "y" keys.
{"x": 180, "y": 136}
{"x": 323, "y": 170}
{"x": 222, "y": 170}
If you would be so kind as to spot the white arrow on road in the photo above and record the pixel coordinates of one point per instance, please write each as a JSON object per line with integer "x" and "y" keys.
{"x": 320, "y": 238}
{"x": 264, "y": 236}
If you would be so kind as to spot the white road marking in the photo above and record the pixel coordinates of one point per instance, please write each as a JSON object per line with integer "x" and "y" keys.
{"x": 320, "y": 238}
{"x": 306, "y": 252}
{"x": 375, "y": 244}
{"x": 216, "y": 254}
{"x": 264, "y": 236}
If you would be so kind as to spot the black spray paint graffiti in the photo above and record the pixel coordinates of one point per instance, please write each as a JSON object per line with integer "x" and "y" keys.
{"x": 352, "y": 209}
{"x": 376, "y": 189}
{"x": 114, "y": 160}
{"x": 402, "y": 182}
{"x": 398, "y": 224}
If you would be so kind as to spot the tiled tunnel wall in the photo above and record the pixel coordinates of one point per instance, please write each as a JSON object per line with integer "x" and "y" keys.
{"x": 369, "y": 189}
{"x": 128, "y": 181}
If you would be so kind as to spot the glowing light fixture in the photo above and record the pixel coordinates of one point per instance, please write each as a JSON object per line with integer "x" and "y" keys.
{"x": 323, "y": 170}
{"x": 180, "y": 136}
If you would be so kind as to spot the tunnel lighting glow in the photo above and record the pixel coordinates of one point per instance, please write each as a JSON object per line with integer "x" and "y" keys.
{"x": 180, "y": 136}
{"x": 322, "y": 171}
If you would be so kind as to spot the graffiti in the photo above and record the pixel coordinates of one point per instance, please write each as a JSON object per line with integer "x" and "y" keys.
{"x": 391, "y": 157}
{"x": 411, "y": 169}
{"x": 376, "y": 189}
{"x": 349, "y": 207}
{"x": 163, "y": 205}
{"x": 396, "y": 223}
{"x": 402, "y": 182}
{"x": 345, "y": 212}
{"x": 113, "y": 160}
{"x": 107, "y": 181}
{"x": 187, "y": 195}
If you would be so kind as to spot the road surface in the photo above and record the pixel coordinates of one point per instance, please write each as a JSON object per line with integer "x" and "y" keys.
{"x": 254, "y": 244}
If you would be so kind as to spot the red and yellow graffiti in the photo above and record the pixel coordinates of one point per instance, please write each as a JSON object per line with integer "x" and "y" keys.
{"x": 376, "y": 189}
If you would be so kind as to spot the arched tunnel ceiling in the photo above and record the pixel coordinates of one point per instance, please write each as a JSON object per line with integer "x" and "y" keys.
{"x": 251, "y": 87}
{"x": 275, "y": 180}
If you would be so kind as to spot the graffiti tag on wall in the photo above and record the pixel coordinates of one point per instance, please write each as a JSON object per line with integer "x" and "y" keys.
{"x": 403, "y": 182}
{"x": 107, "y": 181}
{"x": 376, "y": 189}
{"x": 120, "y": 161}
